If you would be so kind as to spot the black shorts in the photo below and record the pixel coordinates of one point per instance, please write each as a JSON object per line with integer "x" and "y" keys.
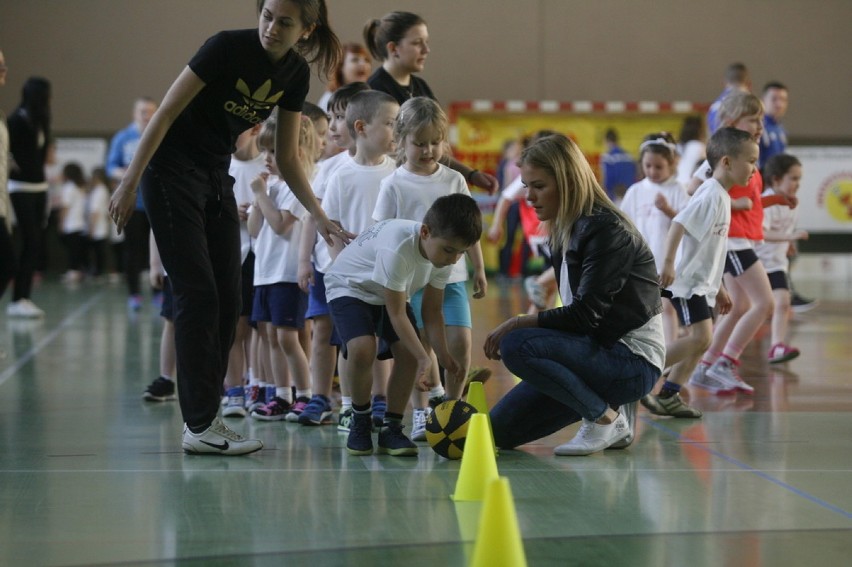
{"x": 354, "y": 318}
{"x": 779, "y": 280}
{"x": 690, "y": 311}
{"x": 738, "y": 261}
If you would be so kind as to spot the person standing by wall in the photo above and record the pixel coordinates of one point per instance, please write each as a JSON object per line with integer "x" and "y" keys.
{"x": 233, "y": 82}
{"x": 29, "y": 138}
{"x": 7, "y": 252}
{"x": 121, "y": 150}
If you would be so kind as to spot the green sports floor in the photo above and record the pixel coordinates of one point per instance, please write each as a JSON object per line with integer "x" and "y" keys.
{"x": 90, "y": 474}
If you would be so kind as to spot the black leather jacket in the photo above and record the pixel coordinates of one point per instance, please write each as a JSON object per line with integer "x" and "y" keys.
{"x": 613, "y": 279}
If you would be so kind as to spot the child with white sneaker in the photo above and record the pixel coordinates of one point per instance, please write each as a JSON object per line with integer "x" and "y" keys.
{"x": 73, "y": 226}
{"x": 312, "y": 274}
{"x": 421, "y": 135}
{"x": 654, "y": 201}
{"x": 323, "y": 352}
{"x": 745, "y": 277}
{"x": 247, "y": 162}
{"x": 697, "y": 241}
{"x": 352, "y": 191}
{"x": 279, "y": 304}
{"x": 604, "y": 348}
{"x": 368, "y": 288}
{"x": 783, "y": 173}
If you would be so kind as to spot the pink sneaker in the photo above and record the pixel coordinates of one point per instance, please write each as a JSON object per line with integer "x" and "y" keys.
{"x": 297, "y": 408}
{"x": 782, "y": 353}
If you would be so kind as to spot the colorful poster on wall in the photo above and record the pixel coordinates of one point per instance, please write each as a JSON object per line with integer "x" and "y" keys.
{"x": 481, "y": 128}
{"x": 825, "y": 195}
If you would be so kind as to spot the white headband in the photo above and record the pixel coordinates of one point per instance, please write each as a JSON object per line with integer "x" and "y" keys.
{"x": 658, "y": 142}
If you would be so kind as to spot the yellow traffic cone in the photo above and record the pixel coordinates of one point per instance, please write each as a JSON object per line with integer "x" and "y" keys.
{"x": 467, "y": 516}
{"x": 498, "y": 542}
{"x": 478, "y": 466}
{"x": 476, "y": 398}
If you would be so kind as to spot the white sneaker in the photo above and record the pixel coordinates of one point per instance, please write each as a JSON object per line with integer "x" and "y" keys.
{"x": 701, "y": 378}
{"x": 629, "y": 413}
{"x": 235, "y": 404}
{"x": 593, "y": 437}
{"x": 418, "y": 424}
{"x": 218, "y": 440}
{"x": 726, "y": 371}
{"x": 24, "y": 308}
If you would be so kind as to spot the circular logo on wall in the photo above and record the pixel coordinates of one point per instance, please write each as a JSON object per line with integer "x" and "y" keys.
{"x": 835, "y": 194}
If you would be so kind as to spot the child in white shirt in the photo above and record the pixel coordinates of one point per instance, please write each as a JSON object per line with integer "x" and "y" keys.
{"x": 72, "y": 220}
{"x": 784, "y": 173}
{"x": 421, "y": 134}
{"x": 279, "y": 304}
{"x": 368, "y": 288}
{"x": 697, "y": 241}
{"x": 654, "y": 201}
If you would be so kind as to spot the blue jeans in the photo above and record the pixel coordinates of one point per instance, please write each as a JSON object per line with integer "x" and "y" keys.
{"x": 565, "y": 377}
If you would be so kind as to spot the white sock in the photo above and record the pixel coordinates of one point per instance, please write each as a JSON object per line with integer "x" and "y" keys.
{"x": 304, "y": 393}
{"x": 345, "y": 402}
{"x": 285, "y": 393}
{"x": 436, "y": 392}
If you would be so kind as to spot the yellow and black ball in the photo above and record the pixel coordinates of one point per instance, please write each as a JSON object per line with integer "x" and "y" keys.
{"x": 446, "y": 428}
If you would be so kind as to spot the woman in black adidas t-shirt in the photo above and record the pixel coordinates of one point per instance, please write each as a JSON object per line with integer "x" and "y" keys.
{"x": 231, "y": 84}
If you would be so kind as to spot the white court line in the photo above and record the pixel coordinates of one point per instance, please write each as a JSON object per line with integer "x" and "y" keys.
{"x": 47, "y": 339}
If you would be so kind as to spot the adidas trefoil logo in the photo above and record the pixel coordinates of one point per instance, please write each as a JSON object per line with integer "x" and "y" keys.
{"x": 252, "y": 102}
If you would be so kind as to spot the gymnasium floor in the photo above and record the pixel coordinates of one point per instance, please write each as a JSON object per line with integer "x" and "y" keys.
{"x": 92, "y": 475}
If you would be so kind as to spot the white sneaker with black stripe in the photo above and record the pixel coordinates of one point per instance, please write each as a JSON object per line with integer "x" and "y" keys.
{"x": 218, "y": 440}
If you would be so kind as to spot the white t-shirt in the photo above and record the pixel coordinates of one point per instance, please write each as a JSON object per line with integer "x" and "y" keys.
{"x": 691, "y": 156}
{"x": 406, "y": 195}
{"x": 514, "y": 190}
{"x": 352, "y": 191}
{"x": 734, "y": 243}
{"x": 652, "y": 223}
{"x": 701, "y": 256}
{"x": 277, "y": 256}
{"x": 385, "y": 255}
{"x": 777, "y": 218}
{"x": 74, "y": 203}
{"x": 98, "y": 203}
{"x": 243, "y": 173}
{"x": 326, "y": 170}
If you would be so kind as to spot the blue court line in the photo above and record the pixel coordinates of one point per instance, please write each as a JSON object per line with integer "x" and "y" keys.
{"x": 747, "y": 468}
{"x": 48, "y": 338}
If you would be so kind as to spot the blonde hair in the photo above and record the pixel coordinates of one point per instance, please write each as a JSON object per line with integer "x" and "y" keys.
{"x": 737, "y": 105}
{"x": 307, "y": 139}
{"x": 307, "y": 144}
{"x": 579, "y": 190}
{"x": 415, "y": 115}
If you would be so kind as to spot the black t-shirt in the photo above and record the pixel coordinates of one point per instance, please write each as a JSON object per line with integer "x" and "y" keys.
{"x": 381, "y": 80}
{"x": 241, "y": 88}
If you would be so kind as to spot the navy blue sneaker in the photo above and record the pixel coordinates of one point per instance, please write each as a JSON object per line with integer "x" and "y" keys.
{"x": 380, "y": 406}
{"x": 317, "y": 411}
{"x": 360, "y": 441}
{"x": 392, "y": 441}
